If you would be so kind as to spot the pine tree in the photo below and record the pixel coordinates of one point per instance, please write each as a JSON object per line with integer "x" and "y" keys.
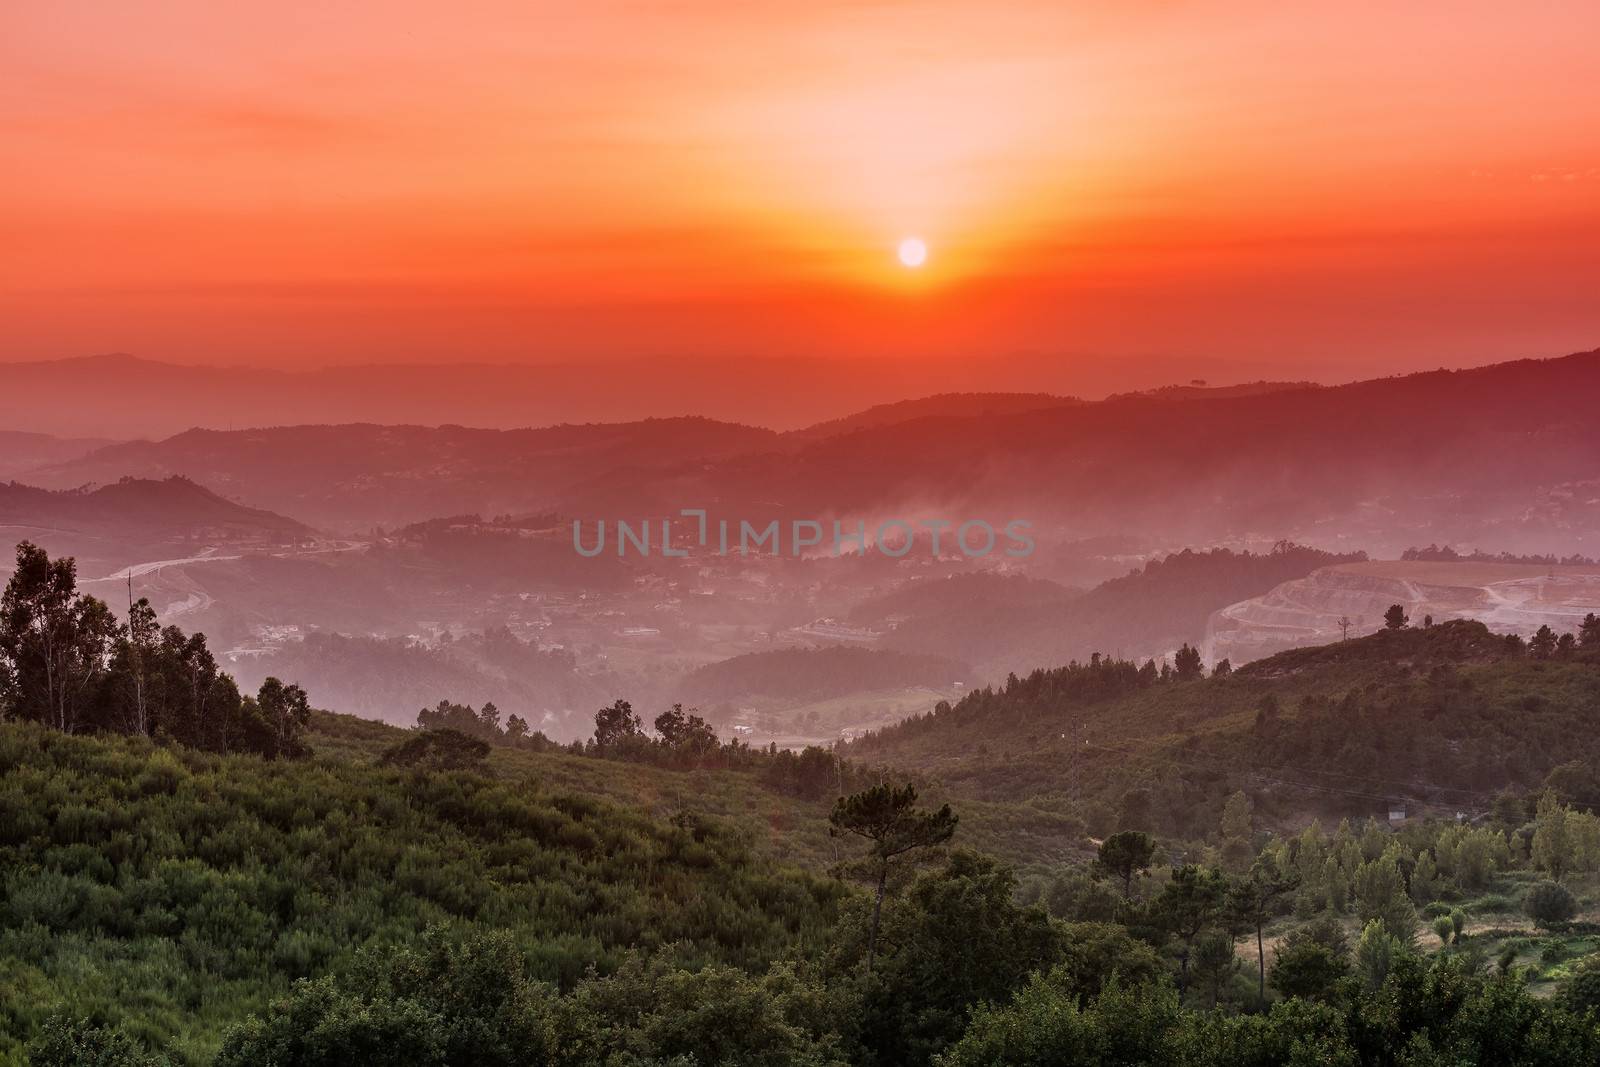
{"x": 1376, "y": 954}
{"x": 1381, "y": 897}
{"x": 1237, "y": 848}
{"x": 888, "y": 818}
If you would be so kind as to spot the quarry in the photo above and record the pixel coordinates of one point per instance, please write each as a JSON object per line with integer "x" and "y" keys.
{"x": 1349, "y": 600}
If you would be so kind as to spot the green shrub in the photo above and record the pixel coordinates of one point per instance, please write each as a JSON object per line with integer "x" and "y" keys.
{"x": 1549, "y": 903}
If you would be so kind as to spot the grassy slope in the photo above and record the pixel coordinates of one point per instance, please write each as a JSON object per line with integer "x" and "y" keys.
{"x": 181, "y": 890}
{"x": 788, "y": 828}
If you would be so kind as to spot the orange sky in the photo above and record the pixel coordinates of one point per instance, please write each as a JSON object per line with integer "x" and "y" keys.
{"x": 1378, "y": 185}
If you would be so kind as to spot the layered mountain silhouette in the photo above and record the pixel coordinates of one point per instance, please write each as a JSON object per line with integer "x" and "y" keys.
{"x": 359, "y": 476}
{"x": 136, "y": 520}
{"x": 21, "y": 452}
{"x": 1507, "y": 455}
{"x": 123, "y": 396}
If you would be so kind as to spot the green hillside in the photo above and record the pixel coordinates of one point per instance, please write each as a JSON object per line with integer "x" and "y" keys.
{"x": 182, "y": 890}
{"x": 190, "y": 875}
{"x": 1440, "y": 718}
{"x": 166, "y": 905}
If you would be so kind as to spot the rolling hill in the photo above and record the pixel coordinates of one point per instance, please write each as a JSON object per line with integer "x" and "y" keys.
{"x": 1004, "y": 623}
{"x": 22, "y": 452}
{"x": 134, "y": 520}
{"x": 173, "y": 506}
{"x": 1438, "y": 719}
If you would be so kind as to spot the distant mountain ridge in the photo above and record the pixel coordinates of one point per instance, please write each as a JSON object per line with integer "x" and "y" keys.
{"x": 941, "y": 405}
{"x": 360, "y": 475}
{"x": 1200, "y": 390}
{"x": 1478, "y": 455}
{"x": 126, "y": 396}
{"x": 1498, "y": 454}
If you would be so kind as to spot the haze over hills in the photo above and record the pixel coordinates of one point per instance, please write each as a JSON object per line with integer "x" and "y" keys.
{"x": 130, "y": 520}
{"x": 131, "y": 505}
{"x": 471, "y": 597}
{"x": 1511, "y": 597}
{"x": 1496, "y": 455}
{"x": 20, "y": 451}
{"x": 437, "y": 535}
{"x": 1010, "y": 623}
{"x": 360, "y": 476}
{"x": 959, "y": 405}
{"x": 1504, "y": 455}
{"x": 125, "y": 396}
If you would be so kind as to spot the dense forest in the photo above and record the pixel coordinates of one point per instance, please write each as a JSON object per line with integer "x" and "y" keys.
{"x": 66, "y": 662}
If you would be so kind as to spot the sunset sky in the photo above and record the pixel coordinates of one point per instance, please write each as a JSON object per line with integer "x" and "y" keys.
{"x": 1367, "y": 186}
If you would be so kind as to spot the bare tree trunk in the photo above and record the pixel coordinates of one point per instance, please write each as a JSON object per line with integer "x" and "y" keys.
{"x": 1261, "y": 970}
{"x": 57, "y": 713}
{"x": 877, "y": 915}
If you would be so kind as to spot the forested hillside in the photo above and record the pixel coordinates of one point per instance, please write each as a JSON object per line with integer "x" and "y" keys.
{"x": 1442, "y": 716}
{"x": 165, "y": 905}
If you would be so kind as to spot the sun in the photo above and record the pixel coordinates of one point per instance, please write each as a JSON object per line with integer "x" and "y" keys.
{"x": 913, "y": 253}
